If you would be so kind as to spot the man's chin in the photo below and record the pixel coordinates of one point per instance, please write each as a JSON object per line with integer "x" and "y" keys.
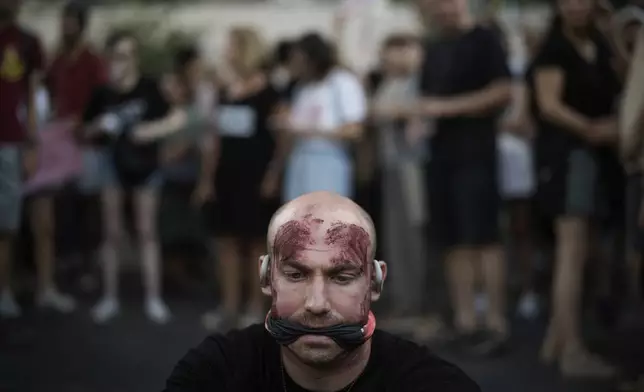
{"x": 315, "y": 350}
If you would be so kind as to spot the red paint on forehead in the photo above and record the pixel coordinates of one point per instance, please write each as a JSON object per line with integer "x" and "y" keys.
{"x": 352, "y": 240}
{"x": 292, "y": 237}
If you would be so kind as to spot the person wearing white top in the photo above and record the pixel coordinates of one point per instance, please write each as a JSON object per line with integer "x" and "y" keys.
{"x": 327, "y": 113}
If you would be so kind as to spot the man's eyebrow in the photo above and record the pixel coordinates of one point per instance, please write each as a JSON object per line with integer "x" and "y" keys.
{"x": 295, "y": 264}
{"x": 345, "y": 267}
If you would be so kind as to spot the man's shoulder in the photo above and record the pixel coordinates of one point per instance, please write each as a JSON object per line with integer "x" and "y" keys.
{"x": 239, "y": 342}
{"x": 419, "y": 369}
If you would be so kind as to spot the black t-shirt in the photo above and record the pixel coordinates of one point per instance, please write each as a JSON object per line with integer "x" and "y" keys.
{"x": 458, "y": 65}
{"x": 590, "y": 88}
{"x": 145, "y": 102}
{"x": 246, "y": 141}
{"x": 249, "y": 360}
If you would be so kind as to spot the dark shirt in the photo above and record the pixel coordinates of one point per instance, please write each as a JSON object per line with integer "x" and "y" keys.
{"x": 145, "y": 102}
{"x": 589, "y": 87}
{"x": 71, "y": 79}
{"x": 457, "y": 65}
{"x": 244, "y": 131}
{"x": 249, "y": 360}
{"x": 20, "y": 56}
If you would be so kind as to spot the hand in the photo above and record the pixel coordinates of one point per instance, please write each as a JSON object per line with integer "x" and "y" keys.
{"x": 433, "y": 107}
{"x": 30, "y": 161}
{"x": 415, "y": 130}
{"x": 390, "y": 112}
{"x": 205, "y": 191}
{"x": 603, "y": 132}
{"x": 137, "y": 134}
{"x": 270, "y": 185}
{"x": 519, "y": 126}
{"x": 281, "y": 121}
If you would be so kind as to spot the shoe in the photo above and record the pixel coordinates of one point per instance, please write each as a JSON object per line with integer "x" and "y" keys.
{"x": 105, "y": 310}
{"x": 585, "y": 365}
{"x": 481, "y": 304}
{"x": 9, "y": 308}
{"x": 157, "y": 311}
{"x": 528, "y": 307}
{"x": 52, "y": 299}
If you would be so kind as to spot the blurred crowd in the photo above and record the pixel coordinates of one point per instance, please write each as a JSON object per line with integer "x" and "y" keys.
{"x": 463, "y": 158}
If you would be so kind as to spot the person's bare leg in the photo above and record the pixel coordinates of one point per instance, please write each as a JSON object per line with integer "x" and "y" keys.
{"x": 494, "y": 282}
{"x": 146, "y": 202}
{"x": 229, "y": 277}
{"x": 524, "y": 246}
{"x": 461, "y": 277}
{"x": 112, "y": 211}
{"x": 565, "y": 341}
{"x": 571, "y": 236}
{"x": 42, "y": 222}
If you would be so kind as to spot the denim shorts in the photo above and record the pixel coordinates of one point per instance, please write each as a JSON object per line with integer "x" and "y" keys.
{"x": 99, "y": 172}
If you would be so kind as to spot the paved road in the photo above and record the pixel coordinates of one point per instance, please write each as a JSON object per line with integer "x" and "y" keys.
{"x": 53, "y": 353}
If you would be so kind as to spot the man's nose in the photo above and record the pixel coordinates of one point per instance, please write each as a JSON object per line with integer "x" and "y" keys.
{"x": 316, "y": 297}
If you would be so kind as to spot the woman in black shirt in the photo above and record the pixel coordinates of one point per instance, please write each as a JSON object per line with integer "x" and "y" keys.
{"x": 244, "y": 187}
{"x": 575, "y": 88}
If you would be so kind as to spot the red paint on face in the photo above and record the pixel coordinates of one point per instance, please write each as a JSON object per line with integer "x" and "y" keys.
{"x": 353, "y": 242}
{"x": 292, "y": 237}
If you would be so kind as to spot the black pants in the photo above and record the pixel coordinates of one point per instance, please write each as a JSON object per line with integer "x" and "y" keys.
{"x": 464, "y": 204}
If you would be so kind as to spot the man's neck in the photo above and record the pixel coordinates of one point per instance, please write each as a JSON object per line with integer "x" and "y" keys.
{"x": 128, "y": 83}
{"x": 331, "y": 379}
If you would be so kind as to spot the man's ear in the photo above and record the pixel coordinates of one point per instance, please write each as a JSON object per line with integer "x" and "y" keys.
{"x": 265, "y": 274}
{"x": 378, "y": 279}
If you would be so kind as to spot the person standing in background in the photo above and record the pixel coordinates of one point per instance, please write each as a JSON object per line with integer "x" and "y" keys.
{"x": 517, "y": 175}
{"x": 574, "y": 95}
{"x": 465, "y": 83}
{"x": 74, "y": 73}
{"x": 400, "y": 160}
{"x": 328, "y": 113}
{"x": 130, "y": 116}
{"x": 246, "y": 184}
{"x": 21, "y": 60}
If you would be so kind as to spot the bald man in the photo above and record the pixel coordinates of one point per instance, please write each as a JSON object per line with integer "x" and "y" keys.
{"x": 320, "y": 334}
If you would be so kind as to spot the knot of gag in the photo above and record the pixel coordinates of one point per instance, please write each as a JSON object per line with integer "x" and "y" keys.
{"x": 347, "y": 336}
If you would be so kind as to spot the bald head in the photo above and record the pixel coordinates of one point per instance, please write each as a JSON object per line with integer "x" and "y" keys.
{"x": 324, "y": 210}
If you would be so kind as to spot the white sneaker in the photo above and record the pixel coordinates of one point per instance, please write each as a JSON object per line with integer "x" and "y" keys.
{"x": 52, "y": 299}
{"x": 105, "y": 310}
{"x": 9, "y": 308}
{"x": 157, "y": 311}
{"x": 480, "y": 304}
{"x": 528, "y": 306}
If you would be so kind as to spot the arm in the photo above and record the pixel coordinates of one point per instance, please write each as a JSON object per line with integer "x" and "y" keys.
{"x": 549, "y": 83}
{"x": 495, "y": 89}
{"x": 492, "y": 97}
{"x": 175, "y": 121}
{"x": 32, "y": 110}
